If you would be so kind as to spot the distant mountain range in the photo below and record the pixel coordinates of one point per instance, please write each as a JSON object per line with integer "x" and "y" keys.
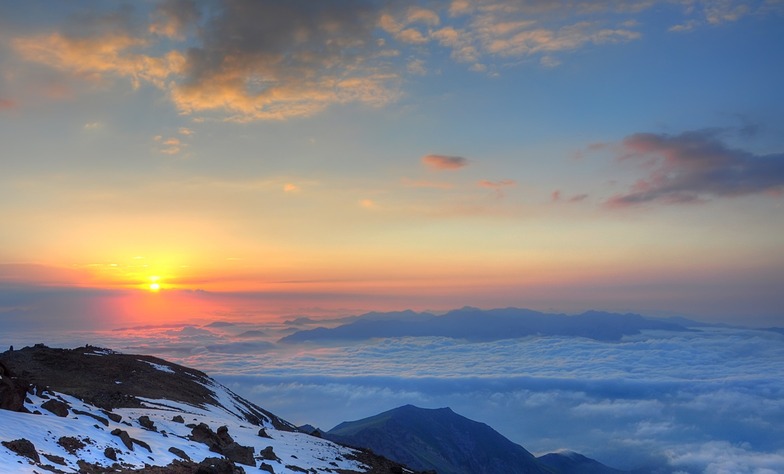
{"x": 448, "y": 443}
{"x": 477, "y": 325}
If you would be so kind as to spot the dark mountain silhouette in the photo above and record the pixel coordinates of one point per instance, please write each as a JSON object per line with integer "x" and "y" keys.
{"x": 474, "y": 324}
{"x": 437, "y": 439}
{"x": 448, "y": 443}
{"x": 568, "y": 462}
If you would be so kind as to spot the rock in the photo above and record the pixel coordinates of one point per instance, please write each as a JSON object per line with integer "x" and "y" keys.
{"x": 218, "y": 466}
{"x": 55, "y": 459}
{"x": 223, "y": 435}
{"x": 239, "y": 454}
{"x": 178, "y": 419}
{"x": 22, "y": 447}
{"x": 110, "y": 453}
{"x": 103, "y": 420}
{"x": 222, "y": 443}
{"x": 124, "y": 437}
{"x": 142, "y": 444}
{"x": 202, "y": 433}
{"x": 269, "y": 454}
{"x": 179, "y": 453}
{"x": 147, "y": 423}
{"x": 113, "y": 416}
{"x": 57, "y": 407}
{"x": 12, "y": 394}
{"x": 263, "y": 433}
{"x": 266, "y": 467}
{"x": 71, "y": 444}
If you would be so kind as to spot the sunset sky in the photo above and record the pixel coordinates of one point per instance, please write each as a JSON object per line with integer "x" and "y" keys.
{"x": 263, "y": 158}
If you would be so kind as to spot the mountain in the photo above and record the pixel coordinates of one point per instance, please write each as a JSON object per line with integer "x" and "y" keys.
{"x": 473, "y": 324}
{"x": 568, "y": 462}
{"x": 448, "y": 443}
{"x": 93, "y": 410}
{"x": 437, "y": 439}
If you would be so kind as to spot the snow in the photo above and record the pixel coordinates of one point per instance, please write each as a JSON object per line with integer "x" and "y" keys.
{"x": 44, "y": 430}
{"x": 162, "y": 368}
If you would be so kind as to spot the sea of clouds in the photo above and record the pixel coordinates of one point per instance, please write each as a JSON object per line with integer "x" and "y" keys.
{"x": 704, "y": 401}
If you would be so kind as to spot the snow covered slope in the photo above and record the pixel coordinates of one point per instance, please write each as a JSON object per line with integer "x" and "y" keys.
{"x": 63, "y": 433}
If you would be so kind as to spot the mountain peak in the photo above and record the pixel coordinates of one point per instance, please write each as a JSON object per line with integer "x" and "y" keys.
{"x": 438, "y": 439}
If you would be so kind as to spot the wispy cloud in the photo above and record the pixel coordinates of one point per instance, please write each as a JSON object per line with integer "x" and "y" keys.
{"x": 444, "y": 162}
{"x": 498, "y": 186}
{"x": 695, "y": 166}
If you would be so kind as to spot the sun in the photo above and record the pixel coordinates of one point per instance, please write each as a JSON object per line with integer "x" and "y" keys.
{"x": 154, "y": 283}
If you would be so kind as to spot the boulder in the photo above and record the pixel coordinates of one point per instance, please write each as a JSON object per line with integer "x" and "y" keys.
{"x": 218, "y": 466}
{"x": 124, "y": 437}
{"x": 23, "y": 447}
{"x": 268, "y": 454}
{"x": 266, "y": 467}
{"x": 179, "y": 453}
{"x": 57, "y": 407}
{"x": 110, "y": 453}
{"x": 147, "y": 423}
{"x": 222, "y": 443}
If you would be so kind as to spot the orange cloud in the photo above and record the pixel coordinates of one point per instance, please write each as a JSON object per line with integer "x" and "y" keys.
{"x": 444, "y": 162}
{"x": 96, "y": 57}
{"x": 7, "y": 104}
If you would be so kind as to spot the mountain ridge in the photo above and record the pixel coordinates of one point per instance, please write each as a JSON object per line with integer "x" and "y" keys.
{"x": 441, "y": 440}
{"x": 477, "y": 325}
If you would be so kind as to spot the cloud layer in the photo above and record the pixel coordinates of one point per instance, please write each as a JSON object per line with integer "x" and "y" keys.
{"x": 707, "y": 401}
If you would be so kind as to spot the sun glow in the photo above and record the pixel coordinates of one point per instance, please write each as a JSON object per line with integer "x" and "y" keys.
{"x": 154, "y": 283}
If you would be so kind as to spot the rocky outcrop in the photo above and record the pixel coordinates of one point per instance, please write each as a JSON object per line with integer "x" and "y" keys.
{"x": 179, "y": 453}
{"x": 23, "y": 447}
{"x": 146, "y": 423}
{"x": 57, "y": 407}
{"x": 222, "y": 443}
{"x": 12, "y": 393}
{"x": 124, "y": 437}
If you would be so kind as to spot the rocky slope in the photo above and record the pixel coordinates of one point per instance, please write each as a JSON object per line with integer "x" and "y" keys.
{"x": 92, "y": 410}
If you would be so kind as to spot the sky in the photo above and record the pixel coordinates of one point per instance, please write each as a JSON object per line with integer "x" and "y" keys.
{"x": 176, "y": 160}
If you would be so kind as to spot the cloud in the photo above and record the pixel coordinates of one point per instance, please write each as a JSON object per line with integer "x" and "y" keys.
{"x": 557, "y": 196}
{"x": 7, "y": 104}
{"x": 700, "y": 401}
{"x": 498, "y": 186}
{"x": 694, "y": 167}
{"x": 245, "y": 60}
{"x": 169, "y": 146}
{"x": 444, "y": 162}
{"x": 414, "y": 183}
{"x": 171, "y": 18}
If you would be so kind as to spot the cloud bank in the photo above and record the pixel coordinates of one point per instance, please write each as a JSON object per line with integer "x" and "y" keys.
{"x": 706, "y": 401}
{"x": 695, "y": 167}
